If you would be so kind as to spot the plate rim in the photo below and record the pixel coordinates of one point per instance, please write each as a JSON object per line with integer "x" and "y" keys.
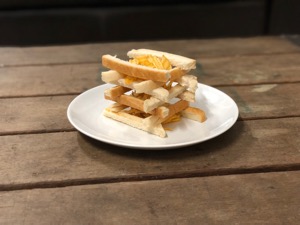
{"x": 149, "y": 147}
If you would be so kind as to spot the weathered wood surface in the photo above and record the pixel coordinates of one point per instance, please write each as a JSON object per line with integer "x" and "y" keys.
{"x": 242, "y": 70}
{"x": 266, "y": 101}
{"x": 76, "y": 78}
{"x": 52, "y": 174}
{"x": 192, "y": 48}
{"x": 39, "y": 114}
{"x": 48, "y": 80}
{"x": 50, "y": 159}
{"x": 48, "y": 114}
{"x": 267, "y": 198}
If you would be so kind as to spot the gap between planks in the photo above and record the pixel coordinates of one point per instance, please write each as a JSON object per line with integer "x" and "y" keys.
{"x": 217, "y": 86}
{"x": 149, "y": 177}
{"x": 99, "y": 62}
{"x": 74, "y": 130}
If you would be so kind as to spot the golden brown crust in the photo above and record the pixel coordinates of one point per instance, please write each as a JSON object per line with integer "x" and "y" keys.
{"x": 128, "y": 100}
{"x": 135, "y": 121}
{"x": 179, "y": 61}
{"x": 194, "y": 114}
{"x": 142, "y": 72}
{"x": 115, "y": 91}
{"x": 176, "y": 108}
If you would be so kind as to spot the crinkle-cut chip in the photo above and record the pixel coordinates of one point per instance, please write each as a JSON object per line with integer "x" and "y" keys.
{"x": 175, "y": 118}
{"x": 152, "y": 61}
{"x": 166, "y": 63}
{"x": 129, "y": 80}
{"x": 155, "y": 62}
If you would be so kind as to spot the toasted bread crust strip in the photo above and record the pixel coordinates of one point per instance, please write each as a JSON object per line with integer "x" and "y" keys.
{"x": 194, "y": 114}
{"x": 188, "y": 96}
{"x": 139, "y": 86}
{"x": 115, "y": 92}
{"x": 111, "y": 76}
{"x": 176, "y": 108}
{"x": 128, "y": 100}
{"x": 140, "y": 104}
{"x": 135, "y": 122}
{"x": 189, "y": 81}
{"x": 142, "y": 72}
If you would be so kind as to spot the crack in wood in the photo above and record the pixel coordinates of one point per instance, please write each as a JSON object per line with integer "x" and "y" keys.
{"x": 149, "y": 177}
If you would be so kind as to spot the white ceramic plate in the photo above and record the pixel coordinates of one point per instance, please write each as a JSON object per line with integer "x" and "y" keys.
{"x": 85, "y": 114}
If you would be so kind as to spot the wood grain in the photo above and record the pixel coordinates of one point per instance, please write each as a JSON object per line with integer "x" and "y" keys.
{"x": 48, "y": 80}
{"x": 68, "y": 158}
{"x": 76, "y": 78}
{"x": 12, "y": 56}
{"x": 52, "y": 174}
{"x": 40, "y": 114}
{"x": 266, "y": 101}
{"x": 246, "y": 70}
{"x": 267, "y": 198}
{"x": 48, "y": 114}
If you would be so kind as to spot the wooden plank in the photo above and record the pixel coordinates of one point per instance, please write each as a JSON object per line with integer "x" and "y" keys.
{"x": 41, "y": 114}
{"x": 46, "y": 114}
{"x": 76, "y": 78}
{"x": 10, "y": 56}
{"x": 50, "y": 159}
{"x": 249, "y": 69}
{"x": 266, "y": 101}
{"x": 269, "y": 199}
{"x": 48, "y": 80}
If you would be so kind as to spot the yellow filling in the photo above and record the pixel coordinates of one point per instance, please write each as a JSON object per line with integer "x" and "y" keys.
{"x": 129, "y": 80}
{"x": 152, "y": 61}
{"x": 175, "y": 118}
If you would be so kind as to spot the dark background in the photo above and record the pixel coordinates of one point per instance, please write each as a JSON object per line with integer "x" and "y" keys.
{"x": 52, "y": 22}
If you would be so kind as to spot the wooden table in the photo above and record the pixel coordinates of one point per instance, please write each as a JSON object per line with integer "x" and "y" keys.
{"x": 52, "y": 174}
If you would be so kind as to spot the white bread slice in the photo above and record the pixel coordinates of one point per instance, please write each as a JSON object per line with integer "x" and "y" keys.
{"x": 148, "y": 87}
{"x": 135, "y": 122}
{"x": 189, "y": 81}
{"x": 145, "y": 86}
{"x": 181, "y": 62}
{"x": 146, "y": 106}
{"x": 138, "y": 71}
{"x": 111, "y": 76}
{"x": 140, "y": 86}
{"x": 115, "y": 92}
{"x": 188, "y": 96}
{"x": 194, "y": 114}
{"x": 175, "y": 91}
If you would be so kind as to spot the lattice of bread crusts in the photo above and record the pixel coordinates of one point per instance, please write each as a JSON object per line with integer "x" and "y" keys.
{"x": 150, "y": 90}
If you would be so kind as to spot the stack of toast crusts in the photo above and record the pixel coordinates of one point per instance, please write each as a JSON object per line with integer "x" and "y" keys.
{"x": 151, "y": 89}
